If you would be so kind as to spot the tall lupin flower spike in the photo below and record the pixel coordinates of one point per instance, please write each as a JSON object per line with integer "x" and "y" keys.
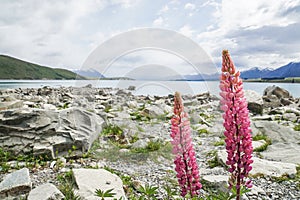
{"x": 185, "y": 160}
{"x": 237, "y": 126}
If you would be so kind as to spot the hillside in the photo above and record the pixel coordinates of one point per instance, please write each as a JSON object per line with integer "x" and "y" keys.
{"x": 12, "y": 68}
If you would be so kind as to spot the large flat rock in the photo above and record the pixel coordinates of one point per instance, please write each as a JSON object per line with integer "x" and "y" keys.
{"x": 46, "y": 191}
{"x": 218, "y": 181}
{"x": 88, "y": 180}
{"x": 48, "y": 132}
{"x": 283, "y": 152}
{"x": 15, "y": 184}
{"x": 277, "y": 132}
{"x": 265, "y": 167}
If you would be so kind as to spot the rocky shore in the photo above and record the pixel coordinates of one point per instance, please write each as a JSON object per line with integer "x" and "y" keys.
{"x": 46, "y": 132}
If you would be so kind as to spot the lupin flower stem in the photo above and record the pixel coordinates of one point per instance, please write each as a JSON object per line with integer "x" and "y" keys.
{"x": 237, "y": 126}
{"x": 185, "y": 159}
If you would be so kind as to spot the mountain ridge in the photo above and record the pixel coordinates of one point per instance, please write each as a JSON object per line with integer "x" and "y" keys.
{"x": 14, "y": 68}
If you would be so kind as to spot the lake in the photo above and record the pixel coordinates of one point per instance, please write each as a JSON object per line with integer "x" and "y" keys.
{"x": 159, "y": 88}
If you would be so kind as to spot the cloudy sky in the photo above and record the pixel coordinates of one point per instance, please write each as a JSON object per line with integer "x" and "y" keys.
{"x": 63, "y": 33}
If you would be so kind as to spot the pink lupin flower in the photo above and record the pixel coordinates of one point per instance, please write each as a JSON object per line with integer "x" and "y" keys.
{"x": 237, "y": 125}
{"x": 185, "y": 159}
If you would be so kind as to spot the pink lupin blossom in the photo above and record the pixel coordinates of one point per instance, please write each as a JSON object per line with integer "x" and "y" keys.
{"x": 185, "y": 159}
{"x": 237, "y": 125}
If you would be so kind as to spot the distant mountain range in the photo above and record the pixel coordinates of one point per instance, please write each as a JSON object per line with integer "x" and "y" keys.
{"x": 89, "y": 73}
{"x": 13, "y": 68}
{"x": 255, "y": 73}
{"x": 290, "y": 70}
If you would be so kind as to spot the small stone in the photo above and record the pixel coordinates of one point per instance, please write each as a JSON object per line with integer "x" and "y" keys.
{"x": 290, "y": 117}
{"x": 52, "y": 164}
{"x": 141, "y": 143}
{"x": 124, "y": 150}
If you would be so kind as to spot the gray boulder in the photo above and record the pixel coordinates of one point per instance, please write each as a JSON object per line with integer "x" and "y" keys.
{"x": 46, "y": 191}
{"x": 277, "y": 91}
{"x": 275, "y": 96}
{"x": 88, "y": 180}
{"x": 49, "y": 132}
{"x": 153, "y": 111}
{"x": 255, "y": 102}
{"x": 15, "y": 184}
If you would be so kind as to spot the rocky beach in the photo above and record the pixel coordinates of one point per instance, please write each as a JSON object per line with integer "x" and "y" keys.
{"x": 108, "y": 138}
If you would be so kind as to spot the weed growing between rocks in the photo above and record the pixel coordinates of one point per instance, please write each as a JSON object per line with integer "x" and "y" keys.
{"x": 103, "y": 194}
{"x": 212, "y": 159}
{"x": 116, "y": 136}
{"x": 297, "y": 127}
{"x": 219, "y": 143}
{"x": 9, "y": 161}
{"x": 67, "y": 186}
{"x": 264, "y": 146}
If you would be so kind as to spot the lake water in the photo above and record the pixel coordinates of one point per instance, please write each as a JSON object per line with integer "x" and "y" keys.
{"x": 159, "y": 88}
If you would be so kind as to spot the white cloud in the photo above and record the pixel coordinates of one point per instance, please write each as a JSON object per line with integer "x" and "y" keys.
{"x": 164, "y": 9}
{"x": 158, "y": 21}
{"x": 189, "y": 6}
{"x": 186, "y": 30}
{"x": 237, "y": 24}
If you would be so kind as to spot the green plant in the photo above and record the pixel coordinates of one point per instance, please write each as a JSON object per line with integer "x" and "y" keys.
{"x": 170, "y": 192}
{"x": 213, "y": 159}
{"x": 134, "y": 138}
{"x": 219, "y": 143}
{"x": 297, "y": 127}
{"x": 261, "y": 148}
{"x": 4, "y": 158}
{"x": 151, "y": 146}
{"x": 103, "y": 194}
{"x": 67, "y": 184}
{"x": 107, "y": 108}
{"x": 112, "y": 130}
{"x": 202, "y": 131}
{"x": 140, "y": 128}
{"x": 148, "y": 192}
{"x": 264, "y": 146}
